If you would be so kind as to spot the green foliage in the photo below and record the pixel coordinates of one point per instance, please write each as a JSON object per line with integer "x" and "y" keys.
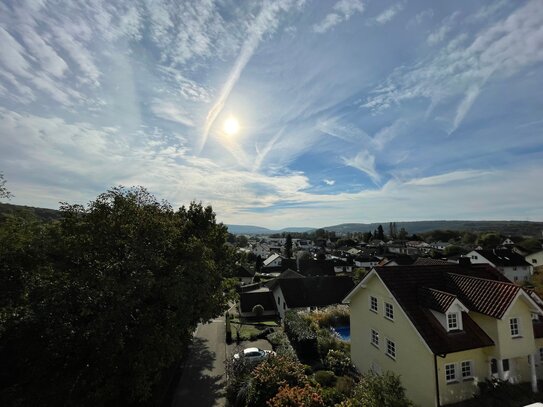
{"x": 281, "y": 345}
{"x": 500, "y": 393}
{"x": 302, "y": 337}
{"x": 454, "y": 250}
{"x": 379, "y": 391}
{"x": 331, "y": 316}
{"x": 338, "y": 361}
{"x": 4, "y": 193}
{"x": 531, "y": 245}
{"x": 288, "y": 246}
{"x": 489, "y": 240}
{"x": 258, "y": 310}
{"x": 325, "y": 378}
{"x": 95, "y": 306}
{"x": 270, "y": 375}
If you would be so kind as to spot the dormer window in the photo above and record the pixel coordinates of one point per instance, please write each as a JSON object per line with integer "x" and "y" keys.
{"x": 453, "y": 321}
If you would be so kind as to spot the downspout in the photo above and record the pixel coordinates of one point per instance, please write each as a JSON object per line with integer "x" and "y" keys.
{"x": 437, "y": 377}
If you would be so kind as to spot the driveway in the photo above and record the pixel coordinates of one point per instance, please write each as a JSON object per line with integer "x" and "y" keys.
{"x": 202, "y": 381}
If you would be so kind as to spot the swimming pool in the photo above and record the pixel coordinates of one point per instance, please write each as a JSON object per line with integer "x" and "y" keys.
{"x": 344, "y": 332}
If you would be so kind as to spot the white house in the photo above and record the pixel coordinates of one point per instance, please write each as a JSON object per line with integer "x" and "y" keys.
{"x": 509, "y": 263}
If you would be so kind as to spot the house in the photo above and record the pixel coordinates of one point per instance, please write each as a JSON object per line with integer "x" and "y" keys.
{"x": 258, "y": 296}
{"x": 535, "y": 259}
{"x": 243, "y": 275}
{"x": 291, "y": 290}
{"x": 366, "y": 262}
{"x": 454, "y": 326}
{"x": 508, "y": 262}
{"x": 274, "y": 260}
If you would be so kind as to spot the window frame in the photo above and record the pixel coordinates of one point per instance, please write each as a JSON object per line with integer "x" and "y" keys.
{"x": 456, "y": 317}
{"x": 514, "y": 326}
{"x": 389, "y": 307}
{"x": 372, "y": 300}
{"x": 469, "y": 364}
{"x": 374, "y": 338}
{"x": 448, "y": 377}
{"x": 392, "y": 354}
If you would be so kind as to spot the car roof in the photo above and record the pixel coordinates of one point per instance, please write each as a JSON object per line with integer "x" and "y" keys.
{"x": 248, "y": 350}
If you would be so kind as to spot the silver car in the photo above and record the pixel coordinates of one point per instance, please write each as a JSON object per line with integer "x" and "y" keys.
{"x": 253, "y": 354}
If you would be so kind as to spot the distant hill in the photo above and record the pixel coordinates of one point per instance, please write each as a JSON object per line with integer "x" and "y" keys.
{"x": 258, "y": 230}
{"x": 506, "y": 227}
{"x": 40, "y": 213}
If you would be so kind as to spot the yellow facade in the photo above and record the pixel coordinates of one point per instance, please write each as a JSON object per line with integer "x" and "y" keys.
{"x": 414, "y": 361}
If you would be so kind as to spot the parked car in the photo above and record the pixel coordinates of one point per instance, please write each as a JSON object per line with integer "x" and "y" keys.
{"x": 253, "y": 354}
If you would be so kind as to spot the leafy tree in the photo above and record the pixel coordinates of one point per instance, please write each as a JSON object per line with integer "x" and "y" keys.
{"x": 489, "y": 240}
{"x": 379, "y": 391}
{"x": 367, "y": 237}
{"x": 242, "y": 241}
{"x": 469, "y": 237}
{"x": 288, "y": 246}
{"x": 531, "y": 244}
{"x": 453, "y": 250}
{"x": 4, "y": 193}
{"x": 403, "y": 234}
{"x": 101, "y": 302}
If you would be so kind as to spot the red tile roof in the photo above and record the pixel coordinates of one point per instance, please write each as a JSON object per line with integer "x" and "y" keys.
{"x": 435, "y": 299}
{"x": 489, "y": 297}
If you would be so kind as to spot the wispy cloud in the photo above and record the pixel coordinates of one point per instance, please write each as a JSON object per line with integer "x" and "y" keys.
{"x": 446, "y": 178}
{"x": 266, "y": 21}
{"x": 445, "y": 27}
{"x": 365, "y": 162}
{"x": 172, "y": 112}
{"x": 343, "y": 10}
{"x": 329, "y": 181}
{"x": 389, "y": 13}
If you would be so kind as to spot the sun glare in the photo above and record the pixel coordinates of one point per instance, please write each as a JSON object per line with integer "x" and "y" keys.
{"x": 231, "y": 126}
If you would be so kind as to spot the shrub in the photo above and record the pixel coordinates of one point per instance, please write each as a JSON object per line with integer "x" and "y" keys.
{"x": 270, "y": 375}
{"x": 338, "y": 361}
{"x": 258, "y": 310}
{"x": 333, "y": 315}
{"x": 302, "y": 337}
{"x": 325, "y": 378}
{"x": 238, "y": 373}
{"x": 281, "y": 345}
{"x": 307, "y": 396}
{"x": 379, "y": 391}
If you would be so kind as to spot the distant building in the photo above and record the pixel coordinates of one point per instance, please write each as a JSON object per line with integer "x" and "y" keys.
{"x": 509, "y": 263}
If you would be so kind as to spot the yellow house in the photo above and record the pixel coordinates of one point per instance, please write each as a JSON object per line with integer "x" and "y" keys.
{"x": 444, "y": 329}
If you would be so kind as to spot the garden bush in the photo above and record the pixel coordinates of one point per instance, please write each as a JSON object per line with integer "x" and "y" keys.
{"x": 325, "y": 378}
{"x": 331, "y": 316}
{"x": 302, "y": 337}
{"x": 339, "y": 362}
{"x": 281, "y": 345}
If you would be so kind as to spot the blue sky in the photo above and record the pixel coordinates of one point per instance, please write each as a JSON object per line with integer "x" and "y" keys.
{"x": 349, "y": 110}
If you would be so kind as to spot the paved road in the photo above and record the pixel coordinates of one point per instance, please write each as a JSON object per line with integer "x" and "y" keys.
{"x": 203, "y": 378}
{"x": 202, "y": 381}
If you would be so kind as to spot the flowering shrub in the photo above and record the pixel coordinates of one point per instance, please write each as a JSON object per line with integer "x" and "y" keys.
{"x": 307, "y": 396}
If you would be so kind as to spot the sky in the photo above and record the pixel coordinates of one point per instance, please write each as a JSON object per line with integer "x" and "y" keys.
{"x": 348, "y": 110}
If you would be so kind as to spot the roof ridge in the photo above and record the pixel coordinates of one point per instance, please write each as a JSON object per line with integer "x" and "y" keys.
{"x": 439, "y": 291}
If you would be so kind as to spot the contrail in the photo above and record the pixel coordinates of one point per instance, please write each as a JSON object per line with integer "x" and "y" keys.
{"x": 265, "y": 21}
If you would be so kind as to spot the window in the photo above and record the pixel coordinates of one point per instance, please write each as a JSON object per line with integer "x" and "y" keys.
{"x": 467, "y": 369}
{"x": 474, "y": 257}
{"x": 389, "y": 311}
{"x": 452, "y": 321}
{"x": 278, "y": 300}
{"x": 374, "y": 337}
{"x": 391, "y": 349}
{"x": 505, "y": 364}
{"x": 534, "y": 261}
{"x": 373, "y": 304}
{"x": 514, "y": 325}
{"x": 541, "y": 354}
{"x": 450, "y": 372}
{"x": 494, "y": 366}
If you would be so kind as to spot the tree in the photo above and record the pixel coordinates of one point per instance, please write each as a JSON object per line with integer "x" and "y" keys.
{"x": 107, "y": 298}
{"x": 306, "y": 396}
{"x": 379, "y": 391}
{"x": 4, "y": 193}
{"x": 403, "y": 234}
{"x": 242, "y": 241}
{"x": 489, "y": 240}
{"x": 380, "y": 233}
{"x": 367, "y": 237}
{"x": 288, "y": 246}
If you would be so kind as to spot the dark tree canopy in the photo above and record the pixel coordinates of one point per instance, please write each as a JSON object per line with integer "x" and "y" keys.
{"x": 96, "y": 305}
{"x": 288, "y": 246}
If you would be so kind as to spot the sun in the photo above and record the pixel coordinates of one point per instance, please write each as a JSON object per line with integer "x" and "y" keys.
{"x": 231, "y": 126}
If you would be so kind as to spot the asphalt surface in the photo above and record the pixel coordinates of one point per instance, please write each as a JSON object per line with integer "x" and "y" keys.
{"x": 203, "y": 380}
